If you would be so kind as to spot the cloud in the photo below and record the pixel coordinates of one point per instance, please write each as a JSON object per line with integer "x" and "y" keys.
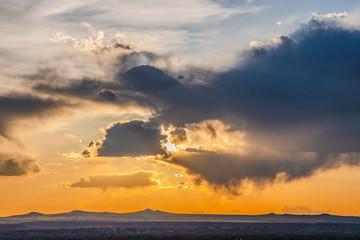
{"x": 93, "y": 90}
{"x": 306, "y": 82}
{"x": 108, "y": 95}
{"x": 132, "y": 60}
{"x": 232, "y": 170}
{"x": 158, "y": 14}
{"x": 178, "y": 136}
{"x": 17, "y": 165}
{"x": 134, "y": 138}
{"x": 298, "y": 95}
{"x": 95, "y": 43}
{"x": 326, "y": 17}
{"x": 289, "y": 109}
{"x": 122, "y": 89}
{"x": 79, "y": 88}
{"x": 134, "y": 180}
{"x": 18, "y": 106}
{"x": 140, "y": 22}
{"x": 148, "y": 79}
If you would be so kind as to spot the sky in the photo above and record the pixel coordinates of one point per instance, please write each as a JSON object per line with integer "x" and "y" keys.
{"x": 192, "y": 106}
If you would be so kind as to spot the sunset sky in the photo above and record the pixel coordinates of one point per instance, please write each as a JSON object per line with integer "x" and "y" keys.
{"x": 191, "y": 106}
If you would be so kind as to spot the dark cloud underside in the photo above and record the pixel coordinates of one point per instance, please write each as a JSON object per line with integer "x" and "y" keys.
{"x": 260, "y": 167}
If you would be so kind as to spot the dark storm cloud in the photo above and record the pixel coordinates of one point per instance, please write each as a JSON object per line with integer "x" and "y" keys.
{"x": 133, "y": 138}
{"x": 139, "y": 179}
{"x": 17, "y": 165}
{"x": 17, "y": 106}
{"x": 260, "y": 167}
{"x": 286, "y": 84}
{"x": 299, "y": 94}
{"x": 312, "y": 84}
{"x": 192, "y": 75}
{"x": 308, "y": 83}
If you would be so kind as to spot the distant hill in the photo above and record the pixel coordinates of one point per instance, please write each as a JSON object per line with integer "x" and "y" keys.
{"x": 149, "y": 215}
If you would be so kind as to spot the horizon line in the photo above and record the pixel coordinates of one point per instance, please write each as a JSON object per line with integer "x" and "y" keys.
{"x": 156, "y": 210}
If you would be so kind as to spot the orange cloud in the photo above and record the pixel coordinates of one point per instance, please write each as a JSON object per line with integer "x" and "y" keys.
{"x": 138, "y": 179}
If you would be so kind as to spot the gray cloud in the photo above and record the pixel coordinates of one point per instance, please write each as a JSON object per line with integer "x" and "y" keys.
{"x": 126, "y": 88}
{"x": 302, "y": 90}
{"x": 147, "y": 79}
{"x": 133, "y": 138}
{"x": 96, "y": 91}
{"x": 45, "y": 74}
{"x": 108, "y": 95}
{"x": 79, "y": 88}
{"x": 18, "y": 106}
{"x": 138, "y": 179}
{"x": 178, "y": 136}
{"x": 17, "y": 165}
{"x": 231, "y": 170}
{"x": 134, "y": 59}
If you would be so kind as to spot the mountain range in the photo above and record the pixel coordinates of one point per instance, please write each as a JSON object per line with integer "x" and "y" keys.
{"x": 149, "y": 215}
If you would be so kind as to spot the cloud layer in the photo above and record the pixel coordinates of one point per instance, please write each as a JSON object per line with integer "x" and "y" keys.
{"x": 138, "y": 179}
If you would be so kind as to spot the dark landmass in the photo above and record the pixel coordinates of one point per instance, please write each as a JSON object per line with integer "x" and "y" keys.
{"x": 156, "y": 215}
{"x": 180, "y": 230}
{"x": 149, "y": 224}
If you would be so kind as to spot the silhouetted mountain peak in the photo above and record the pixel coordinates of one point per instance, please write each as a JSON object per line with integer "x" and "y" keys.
{"x": 78, "y": 211}
{"x": 152, "y": 213}
{"x": 149, "y": 210}
{"x": 271, "y": 214}
{"x": 156, "y": 215}
{"x": 30, "y": 214}
{"x": 34, "y": 214}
